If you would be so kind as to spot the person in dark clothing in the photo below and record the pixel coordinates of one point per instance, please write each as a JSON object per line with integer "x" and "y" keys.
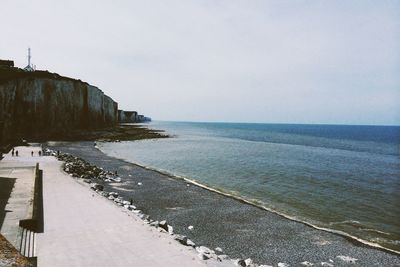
{"x": 16, "y": 153}
{"x": 32, "y": 153}
{"x": 12, "y": 152}
{"x": 40, "y": 153}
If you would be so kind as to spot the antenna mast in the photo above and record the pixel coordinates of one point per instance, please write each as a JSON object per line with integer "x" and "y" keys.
{"x": 29, "y": 56}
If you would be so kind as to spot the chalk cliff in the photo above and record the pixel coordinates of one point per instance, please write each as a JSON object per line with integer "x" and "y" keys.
{"x": 43, "y": 103}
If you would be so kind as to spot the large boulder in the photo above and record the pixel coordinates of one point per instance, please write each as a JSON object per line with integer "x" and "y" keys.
{"x": 163, "y": 224}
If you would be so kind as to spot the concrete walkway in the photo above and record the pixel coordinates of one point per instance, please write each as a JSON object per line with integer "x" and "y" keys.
{"x": 21, "y": 171}
{"x": 82, "y": 228}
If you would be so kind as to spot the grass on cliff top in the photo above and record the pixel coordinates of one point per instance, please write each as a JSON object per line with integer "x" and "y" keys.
{"x": 9, "y": 74}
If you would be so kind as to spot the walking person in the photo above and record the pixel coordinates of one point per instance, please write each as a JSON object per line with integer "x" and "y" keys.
{"x": 16, "y": 153}
{"x": 32, "y": 153}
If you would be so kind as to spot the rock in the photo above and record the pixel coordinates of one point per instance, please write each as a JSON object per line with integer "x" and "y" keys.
{"x": 95, "y": 186}
{"x": 190, "y": 227}
{"x": 223, "y": 257}
{"x": 117, "y": 179}
{"x": 190, "y": 243}
{"x": 170, "y": 229}
{"x": 100, "y": 187}
{"x": 126, "y": 202}
{"x": 203, "y": 256}
{"x": 248, "y": 262}
{"x": 347, "y": 259}
{"x": 218, "y": 249}
{"x": 163, "y": 224}
{"x": 132, "y": 207}
{"x": 184, "y": 240}
{"x": 139, "y": 183}
{"x": 240, "y": 262}
{"x": 114, "y": 194}
{"x": 181, "y": 239}
{"x": 88, "y": 181}
{"x": 111, "y": 198}
{"x": 205, "y": 250}
{"x": 155, "y": 223}
{"x": 126, "y": 207}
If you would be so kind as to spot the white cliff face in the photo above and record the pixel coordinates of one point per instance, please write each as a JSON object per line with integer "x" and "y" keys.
{"x": 37, "y": 105}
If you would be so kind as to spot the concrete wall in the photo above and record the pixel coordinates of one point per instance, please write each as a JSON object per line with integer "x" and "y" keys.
{"x": 36, "y": 105}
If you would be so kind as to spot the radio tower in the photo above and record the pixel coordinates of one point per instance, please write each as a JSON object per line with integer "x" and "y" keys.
{"x": 29, "y": 67}
{"x": 29, "y": 56}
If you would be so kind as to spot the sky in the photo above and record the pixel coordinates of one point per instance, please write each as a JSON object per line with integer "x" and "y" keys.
{"x": 333, "y": 62}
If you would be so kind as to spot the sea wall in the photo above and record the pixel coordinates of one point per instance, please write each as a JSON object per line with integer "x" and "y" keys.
{"x": 35, "y": 106}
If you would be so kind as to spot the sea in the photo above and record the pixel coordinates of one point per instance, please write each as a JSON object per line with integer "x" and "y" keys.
{"x": 339, "y": 178}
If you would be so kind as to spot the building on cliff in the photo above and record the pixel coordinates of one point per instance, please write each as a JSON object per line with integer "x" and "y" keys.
{"x": 6, "y": 64}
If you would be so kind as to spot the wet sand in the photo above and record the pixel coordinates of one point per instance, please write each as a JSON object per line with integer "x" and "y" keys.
{"x": 240, "y": 229}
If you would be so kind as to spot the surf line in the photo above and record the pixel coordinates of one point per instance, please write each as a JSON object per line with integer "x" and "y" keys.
{"x": 246, "y": 201}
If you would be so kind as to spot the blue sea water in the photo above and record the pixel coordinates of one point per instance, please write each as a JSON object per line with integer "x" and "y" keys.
{"x": 337, "y": 177}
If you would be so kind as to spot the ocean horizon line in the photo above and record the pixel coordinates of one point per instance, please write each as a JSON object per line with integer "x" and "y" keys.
{"x": 278, "y": 123}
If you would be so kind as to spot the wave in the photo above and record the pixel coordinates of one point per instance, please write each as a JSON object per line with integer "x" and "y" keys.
{"x": 359, "y": 226}
{"x": 257, "y": 203}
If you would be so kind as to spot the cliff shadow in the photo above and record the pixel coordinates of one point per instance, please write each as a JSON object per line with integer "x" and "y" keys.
{"x": 6, "y": 187}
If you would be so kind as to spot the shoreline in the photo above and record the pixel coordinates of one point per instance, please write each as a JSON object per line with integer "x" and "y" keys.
{"x": 345, "y": 241}
{"x": 357, "y": 241}
{"x": 120, "y": 132}
{"x": 82, "y": 228}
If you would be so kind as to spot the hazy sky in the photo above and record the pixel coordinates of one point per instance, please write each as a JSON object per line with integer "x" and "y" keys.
{"x": 220, "y": 60}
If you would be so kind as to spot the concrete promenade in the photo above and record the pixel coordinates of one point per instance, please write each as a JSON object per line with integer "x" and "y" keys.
{"x": 19, "y": 173}
{"x": 82, "y": 228}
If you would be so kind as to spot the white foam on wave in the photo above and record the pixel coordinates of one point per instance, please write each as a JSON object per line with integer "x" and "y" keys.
{"x": 351, "y": 222}
{"x": 374, "y": 230}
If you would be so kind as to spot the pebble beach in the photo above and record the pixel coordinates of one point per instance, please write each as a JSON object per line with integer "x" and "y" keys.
{"x": 225, "y": 225}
